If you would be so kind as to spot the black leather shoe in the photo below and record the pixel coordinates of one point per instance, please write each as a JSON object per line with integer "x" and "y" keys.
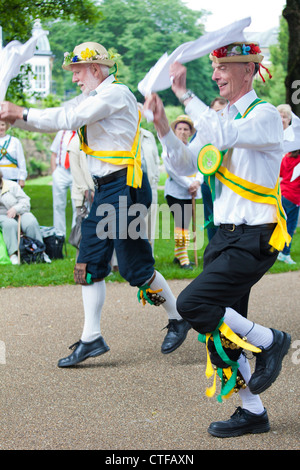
{"x": 177, "y": 331}
{"x": 268, "y": 362}
{"x": 84, "y": 350}
{"x": 186, "y": 266}
{"x": 241, "y": 422}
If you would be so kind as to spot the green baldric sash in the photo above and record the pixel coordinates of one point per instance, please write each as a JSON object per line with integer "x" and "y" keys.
{"x": 210, "y": 165}
{"x": 131, "y": 158}
{"x": 4, "y": 153}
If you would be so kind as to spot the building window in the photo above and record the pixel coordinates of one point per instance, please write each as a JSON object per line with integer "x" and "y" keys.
{"x": 40, "y": 73}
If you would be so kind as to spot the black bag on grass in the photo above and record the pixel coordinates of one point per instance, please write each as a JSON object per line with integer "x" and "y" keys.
{"x": 54, "y": 242}
{"x": 31, "y": 250}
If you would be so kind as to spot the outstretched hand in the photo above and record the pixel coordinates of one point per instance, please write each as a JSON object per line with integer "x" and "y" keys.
{"x": 178, "y": 79}
{"x": 154, "y": 104}
{"x": 10, "y": 112}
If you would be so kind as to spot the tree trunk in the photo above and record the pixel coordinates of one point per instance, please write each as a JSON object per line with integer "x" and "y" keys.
{"x": 292, "y": 82}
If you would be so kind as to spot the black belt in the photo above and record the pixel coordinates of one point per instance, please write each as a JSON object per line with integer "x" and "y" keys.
{"x": 99, "y": 181}
{"x": 233, "y": 227}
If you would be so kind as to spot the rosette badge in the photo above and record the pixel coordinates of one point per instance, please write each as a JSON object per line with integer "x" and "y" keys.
{"x": 87, "y": 53}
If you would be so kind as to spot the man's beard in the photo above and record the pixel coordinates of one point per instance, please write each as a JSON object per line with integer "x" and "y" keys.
{"x": 90, "y": 83}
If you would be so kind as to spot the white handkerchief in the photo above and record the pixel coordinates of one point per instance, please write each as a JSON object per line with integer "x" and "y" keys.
{"x": 158, "y": 79}
{"x": 12, "y": 57}
{"x": 296, "y": 173}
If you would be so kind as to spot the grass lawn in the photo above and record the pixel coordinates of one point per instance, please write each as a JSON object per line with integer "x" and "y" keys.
{"x": 61, "y": 271}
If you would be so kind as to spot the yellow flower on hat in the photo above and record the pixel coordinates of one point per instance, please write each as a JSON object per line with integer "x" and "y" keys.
{"x": 87, "y": 54}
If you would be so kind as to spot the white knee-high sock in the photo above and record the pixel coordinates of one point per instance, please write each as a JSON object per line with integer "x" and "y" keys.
{"x": 93, "y": 297}
{"x": 250, "y": 402}
{"x": 169, "y": 305}
{"x": 256, "y": 334}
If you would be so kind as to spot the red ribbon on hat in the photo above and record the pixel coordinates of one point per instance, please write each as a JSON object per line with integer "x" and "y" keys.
{"x": 270, "y": 76}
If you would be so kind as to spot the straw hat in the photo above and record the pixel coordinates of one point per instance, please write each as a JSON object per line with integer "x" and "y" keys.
{"x": 87, "y": 53}
{"x": 237, "y": 52}
{"x": 183, "y": 118}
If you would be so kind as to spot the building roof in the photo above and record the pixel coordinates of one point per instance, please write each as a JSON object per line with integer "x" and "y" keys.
{"x": 43, "y": 45}
{"x": 265, "y": 38}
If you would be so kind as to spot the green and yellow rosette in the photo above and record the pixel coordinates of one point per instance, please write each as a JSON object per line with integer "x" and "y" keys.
{"x": 209, "y": 159}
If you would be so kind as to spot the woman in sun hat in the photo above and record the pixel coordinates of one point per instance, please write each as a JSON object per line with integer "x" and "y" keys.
{"x": 179, "y": 191}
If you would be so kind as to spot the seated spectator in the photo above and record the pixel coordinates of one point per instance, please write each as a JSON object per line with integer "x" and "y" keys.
{"x": 14, "y": 202}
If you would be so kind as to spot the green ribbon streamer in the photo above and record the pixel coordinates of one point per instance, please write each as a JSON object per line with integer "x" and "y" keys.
{"x": 229, "y": 385}
{"x": 144, "y": 290}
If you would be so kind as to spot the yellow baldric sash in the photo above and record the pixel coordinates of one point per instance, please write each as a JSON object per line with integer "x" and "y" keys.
{"x": 210, "y": 164}
{"x": 131, "y": 158}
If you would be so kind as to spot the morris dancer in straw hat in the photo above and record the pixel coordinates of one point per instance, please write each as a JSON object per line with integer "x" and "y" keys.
{"x": 107, "y": 117}
{"x": 239, "y": 151}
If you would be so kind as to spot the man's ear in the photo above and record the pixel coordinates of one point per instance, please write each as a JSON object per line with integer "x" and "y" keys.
{"x": 250, "y": 67}
{"x": 95, "y": 69}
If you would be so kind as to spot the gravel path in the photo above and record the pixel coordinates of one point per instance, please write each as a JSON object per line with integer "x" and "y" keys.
{"x": 133, "y": 397}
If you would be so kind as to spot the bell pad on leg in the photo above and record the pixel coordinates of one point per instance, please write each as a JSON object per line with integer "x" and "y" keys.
{"x": 146, "y": 294}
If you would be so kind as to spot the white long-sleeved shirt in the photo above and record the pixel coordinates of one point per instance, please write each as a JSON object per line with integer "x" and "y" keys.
{"x": 257, "y": 143}
{"x": 177, "y": 185}
{"x": 15, "y": 149}
{"x": 111, "y": 117}
{"x": 59, "y": 146}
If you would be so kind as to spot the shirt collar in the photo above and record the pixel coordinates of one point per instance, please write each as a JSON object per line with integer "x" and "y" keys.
{"x": 241, "y": 105}
{"x": 105, "y": 82}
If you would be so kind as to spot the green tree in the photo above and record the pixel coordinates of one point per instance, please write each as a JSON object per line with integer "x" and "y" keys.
{"x": 17, "y": 18}
{"x": 292, "y": 14}
{"x": 140, "y": 31}
{"x": 274, "y": 90}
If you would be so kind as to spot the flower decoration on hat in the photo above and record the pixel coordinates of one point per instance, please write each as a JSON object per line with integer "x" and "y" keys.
{"x": 240, "y": 52}
{"x": 88, "y": 55}
{"x": 246, "y": 49}
{"x": 70, "y": 57}
{"x": 221, "y": 52}
{"x": 236, "y": 50}
{"x": 112, "y": 55}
